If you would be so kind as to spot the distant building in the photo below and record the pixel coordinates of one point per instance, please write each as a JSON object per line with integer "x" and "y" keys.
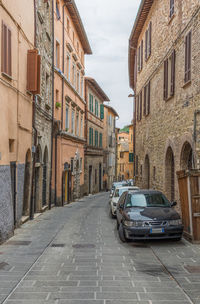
{"x": 109, "y": 145}
{"x": 164, "y": 72}
{"x": 71, "y": 45}
{"x": 94, "y": 130}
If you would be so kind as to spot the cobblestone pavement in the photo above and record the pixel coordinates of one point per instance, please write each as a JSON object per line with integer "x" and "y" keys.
{"x": 72, "y": 255}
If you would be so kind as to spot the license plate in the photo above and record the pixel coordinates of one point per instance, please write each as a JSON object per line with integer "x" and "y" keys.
{"x": 157, "y": 230}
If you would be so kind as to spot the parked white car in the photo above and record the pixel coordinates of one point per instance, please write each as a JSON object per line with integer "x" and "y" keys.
{"x": 117, "y": 193}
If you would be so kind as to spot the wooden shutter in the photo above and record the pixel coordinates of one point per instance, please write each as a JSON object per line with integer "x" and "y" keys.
{"x": 149, "y": 98}
{"x": 137, "y": 106}
{"x": 146, "y": 44}
{"x": 171, "y": 8}
{"x": 102, "y": 111}
{"x": 3, "y": 47}
{"x": 33, "y": 71}
{"x": 141, "y": 60}
{"x": 173, "y": 73}
{"x": 189, "y": 55}
{"x": 141, "y": 105}
{"x": 9, "y": 54}
{"x": 150, "y": 33}
{"x": 165, "y": 92}
{"x": 145, "y": 96}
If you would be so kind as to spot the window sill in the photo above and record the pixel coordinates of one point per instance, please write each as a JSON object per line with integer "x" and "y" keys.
{"x": 169, "y": 98}
{"x": 171, "y": 18}
{"x": 186, "y": 84}
{"x": 147, "y": 59}
{"x": 6, "y": 76}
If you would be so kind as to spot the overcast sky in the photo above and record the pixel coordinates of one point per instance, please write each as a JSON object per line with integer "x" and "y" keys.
{"x": 108, "y": 24}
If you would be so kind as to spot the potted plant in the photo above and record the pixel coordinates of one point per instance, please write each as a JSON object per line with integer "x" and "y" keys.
{"x": 58, "y": 104}
{"x": 66, "y": 129}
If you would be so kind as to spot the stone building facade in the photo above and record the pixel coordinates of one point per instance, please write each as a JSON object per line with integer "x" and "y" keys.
{"x": 164, "y": 69}
{"x": 109, "y": 145}
{"x": 17, "y": 37}
{"x": 70, "y": 47}
{"x": 94, "y": 130}
{"x": 42, "y": 122}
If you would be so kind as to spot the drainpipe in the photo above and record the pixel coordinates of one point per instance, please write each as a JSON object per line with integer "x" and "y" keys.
{"x": 134, "y": 134}
{"x": 52, "y": 107}
{"x": 35, "y": 135}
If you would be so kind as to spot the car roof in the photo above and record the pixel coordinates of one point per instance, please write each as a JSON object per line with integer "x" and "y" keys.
{"x": 147, "y": 191}
{"x": 128, "y": 188}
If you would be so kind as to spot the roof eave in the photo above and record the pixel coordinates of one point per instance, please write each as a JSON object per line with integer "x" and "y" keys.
{"x": 96, "y": 86}
{"x": 73, "y": 10}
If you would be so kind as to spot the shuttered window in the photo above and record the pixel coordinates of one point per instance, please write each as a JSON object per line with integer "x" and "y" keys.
{"x": 102, "y": 111}
{"x": 140, "y": 57}
{"x": 6, "y": 52}
{"x": 148, "y": 38}
{"x": 171, "y": 13}
{"x": 100, "y": 140}
{"x": 140, "y": 105}
{"x": 33, "y": 71}
{"x": 91, "y": 102}
{"x": 96, "y": 108}
{"x": 57, "y": 10}
{"x": 130, "y": 157}
{"x": 147, "y": 99}
{"x": 91, "y": 136}
{"x": 96, "y": 139}
{"x": 188, "y": 57}
{"x": 169, "y": 76}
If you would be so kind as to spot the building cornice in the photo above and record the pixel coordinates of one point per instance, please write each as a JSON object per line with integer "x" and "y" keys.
{"x": 95, "y": 86}
{"x": 140, "y": 20}
{"x": 75, "y": 16}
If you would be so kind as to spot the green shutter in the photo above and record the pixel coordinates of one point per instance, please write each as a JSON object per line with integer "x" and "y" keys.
{"x": 97, "y": 109}
{"x": 100, "y": 140}
{"x": 92, "y": 137}
{"x": 102, "y": 111}
{"x": 90, "y": 102}
{"x": 130, "y": 157}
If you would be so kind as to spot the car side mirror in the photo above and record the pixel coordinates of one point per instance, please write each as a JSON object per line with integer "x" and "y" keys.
{"x": 173, "y": 204}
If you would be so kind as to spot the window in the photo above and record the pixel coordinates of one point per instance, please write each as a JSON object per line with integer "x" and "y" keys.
{"x": 188, "y": 57}
{"x": 91, "y": 103}
{"x": 130, "y": 157}
{"x": 96, "y": 138}
{"x": 81, "y": 86}
{"x": 77, "y": 124}
{"x": 72, "y": 165}
{"x": 140, "y": 57}
{"x": 78, "y": 81}
{"x": 68, "y": 66}
{"x": 81, "y": 126}
{"x": 81, "y": 164}
{"x": 91, "y": 136}
{"x": 96, "y": 108}
{"x": 74, "y": 74}
{"x": 72, "y": 124}
{"x": 47, "y": 88}
{"x": 154, "y": 172}
{"x": 57, "y": 96}
{"x": 171, "y": 13}
{"x": 68, "y": 25}
{"x": 100, "y": 140}
{"x": 141, "y": 170}
{"x": 136, "y": 165}
{"x": 73, "y": 37}
{"x": 148, "y": 41}
{"x": 57, "y": 54}
{"x": 121, "y": 154}
{"x": 147, "y": 92}
{"x": 67, "y": 118}
{"x": 169, "y": 76}
{"x": 11, "y": 145}
{"x": 140, "y": 116}
{"x": 6, "y": 55}
{"x": 110, "y": 141}
{"x": 57, "y": 10}
{"x": 95, "y": 176}
{"x": 77, "y": 47}
{"x": 102, "y": 111}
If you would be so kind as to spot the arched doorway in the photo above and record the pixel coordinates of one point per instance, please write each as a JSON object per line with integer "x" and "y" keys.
{"x": 186, "y": 156}
{"x": 170, "y": 174}
{"x": 27, "y": 179}
{"x": 44, "y": 177}
{"x": 38, "y": 158}
{"x": 146, "y": 172}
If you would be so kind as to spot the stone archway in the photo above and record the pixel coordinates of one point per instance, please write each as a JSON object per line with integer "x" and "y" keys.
{"x": 170, "y": 174}
{"x": 27, "y": 183}
{"x": 186, "y": 161}
{"x": 146, "y": 172}
{"x": 44, "y": 177}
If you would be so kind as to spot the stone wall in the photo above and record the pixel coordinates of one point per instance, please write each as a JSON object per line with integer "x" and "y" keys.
{"x": 170, "y": 124}
{"x": 6, "y": 207}
{"x": 93, "y": 161}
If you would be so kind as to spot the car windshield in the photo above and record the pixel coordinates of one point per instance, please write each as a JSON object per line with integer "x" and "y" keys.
{"x": 147, "y": 200}
{"x": 118, "y": 192}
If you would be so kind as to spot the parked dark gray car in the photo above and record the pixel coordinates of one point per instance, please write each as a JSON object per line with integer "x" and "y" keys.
{"x": 147, "y": 215}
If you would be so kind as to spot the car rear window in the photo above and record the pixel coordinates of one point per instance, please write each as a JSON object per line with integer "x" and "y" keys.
{"x": 147, "y": 200}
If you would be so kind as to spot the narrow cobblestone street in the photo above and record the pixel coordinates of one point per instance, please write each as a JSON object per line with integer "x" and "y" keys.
{"x": 72, "y": 255}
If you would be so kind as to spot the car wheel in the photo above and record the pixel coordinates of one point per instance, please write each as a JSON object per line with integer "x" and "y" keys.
{"x": 111, "y": 215}
{"x": 121, "y": 233}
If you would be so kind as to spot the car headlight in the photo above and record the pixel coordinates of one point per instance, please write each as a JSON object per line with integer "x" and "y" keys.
{"x": 175, "y": 222}
{"x": 133, "y": 223}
